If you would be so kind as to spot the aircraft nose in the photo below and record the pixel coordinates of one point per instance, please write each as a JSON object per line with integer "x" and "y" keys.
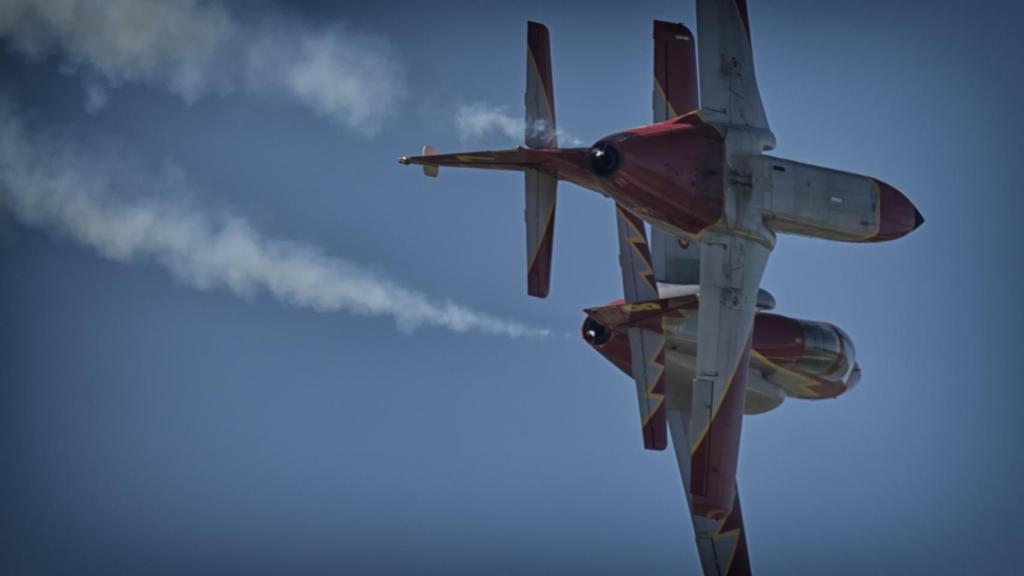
{"x": 897, "y": 214}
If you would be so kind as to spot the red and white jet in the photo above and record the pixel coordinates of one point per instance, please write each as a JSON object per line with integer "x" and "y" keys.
{"x": 693, "y": 330}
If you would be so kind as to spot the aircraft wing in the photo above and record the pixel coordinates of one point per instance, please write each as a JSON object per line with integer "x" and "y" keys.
{"x": 705, "y": 427}
{"x": 721, "y": 543}
{"x": 646, "y": 345}
{"x": 732, "y": 268}
{"x": 730, "y": 274}
{"x": 728, "y": 88}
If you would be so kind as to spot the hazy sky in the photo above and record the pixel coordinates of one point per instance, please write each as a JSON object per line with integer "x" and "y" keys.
{"x": 239, "y": 337}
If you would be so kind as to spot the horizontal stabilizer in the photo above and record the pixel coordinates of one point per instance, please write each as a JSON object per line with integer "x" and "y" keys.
{"x": 644, "y": 314}
{"x": 541, "y": 188}
{"x": 541, "y": 199}
{"x": 540, "y": 95}
{"x": 566, "y": 163}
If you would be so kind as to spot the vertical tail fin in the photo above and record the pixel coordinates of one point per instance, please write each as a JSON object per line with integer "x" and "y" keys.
{"x": 675, "y": 71}
{"x": 541, "y": 188}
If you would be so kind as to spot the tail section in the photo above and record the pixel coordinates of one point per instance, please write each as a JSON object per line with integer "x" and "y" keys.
{"x": 542, "y": 162}
{"x": 541, "y": 188}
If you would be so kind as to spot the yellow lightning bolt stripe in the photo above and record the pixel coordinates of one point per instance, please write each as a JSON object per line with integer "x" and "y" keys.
{"x": 636, "y": 236}
{"x": 718, "y": 535}
{"x": 721, "y": 524}
{"x": 638, "y": 240}
{"x": 718, "y": 398}
{"x": 732, "y": 551}
{"x": 659, "y": 398}
{"x": 659, "y": 368}
{"x": 804, "y": 383}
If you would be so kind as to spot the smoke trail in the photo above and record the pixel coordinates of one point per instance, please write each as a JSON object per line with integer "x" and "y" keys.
{"x": 97, "y": 204}
{"x": 195, "y": 47}
{"x": 478, "y": 119}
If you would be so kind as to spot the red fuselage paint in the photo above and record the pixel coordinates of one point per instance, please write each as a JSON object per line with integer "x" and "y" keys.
{"x": 671, "y": 172}
{"x": 897, "y": 214}
{"x": 714, "y": 458}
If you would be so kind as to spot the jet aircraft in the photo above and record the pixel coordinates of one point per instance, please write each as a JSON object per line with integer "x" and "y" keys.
{"x": 694, "y": 329}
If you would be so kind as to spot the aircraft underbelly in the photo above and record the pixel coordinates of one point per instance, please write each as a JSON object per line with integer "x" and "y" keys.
{"x": 762, "y": 395}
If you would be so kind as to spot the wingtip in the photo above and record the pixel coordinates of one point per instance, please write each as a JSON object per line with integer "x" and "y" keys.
{"x": 664, "y": 30}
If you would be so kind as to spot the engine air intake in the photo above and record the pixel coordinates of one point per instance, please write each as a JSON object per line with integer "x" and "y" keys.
{"x": 595, "y": 333}
{"x": 604, "y": 159}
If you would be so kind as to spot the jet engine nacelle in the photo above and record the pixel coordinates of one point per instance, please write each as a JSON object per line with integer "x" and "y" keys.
{"x": 806, "y": 359}
{"x": 670, "y": 171}
{"x": 820, "y": 352}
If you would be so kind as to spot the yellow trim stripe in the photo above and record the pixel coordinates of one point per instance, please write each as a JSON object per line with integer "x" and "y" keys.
{"x": 668, "y": 103}
{"x": 718, "y": 535}
{"x": 660, "y": 369}
{"x": 647, "y": 418}
{"x": 805, "y": 381}
{"x": 717, "y": 403}
{"x": 638, "y": 240}
{"x": 541, "y": 238}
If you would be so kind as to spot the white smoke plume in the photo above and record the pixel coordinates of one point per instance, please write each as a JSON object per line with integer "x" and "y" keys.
{"x": 477, "y": 120}
{"x": 127, "y": 217}
{"x": 193, "y": 48}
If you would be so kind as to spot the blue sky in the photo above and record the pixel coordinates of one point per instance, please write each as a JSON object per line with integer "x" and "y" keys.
{"x": 150, "y": 426}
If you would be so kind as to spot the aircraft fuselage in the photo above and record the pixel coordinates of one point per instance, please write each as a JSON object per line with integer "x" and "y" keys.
{"x": 789, "y": 357}
{"x": 679, "y": 175}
